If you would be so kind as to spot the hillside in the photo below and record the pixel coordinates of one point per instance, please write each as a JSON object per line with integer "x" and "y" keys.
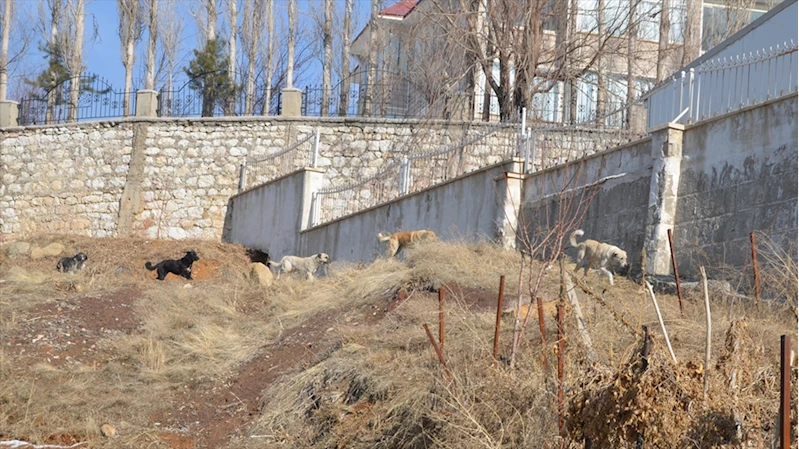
{"x": 345, "y": 362}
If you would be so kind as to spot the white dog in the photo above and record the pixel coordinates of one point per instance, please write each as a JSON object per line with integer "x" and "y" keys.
{"x": 306, "y": 265}
{"x": 594, "y": 254}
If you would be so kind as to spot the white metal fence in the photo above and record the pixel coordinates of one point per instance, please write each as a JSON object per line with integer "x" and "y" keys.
{"x": 416, "y": 172}
{"x": 303, "y": 153}
{"x": 723, "y": 85}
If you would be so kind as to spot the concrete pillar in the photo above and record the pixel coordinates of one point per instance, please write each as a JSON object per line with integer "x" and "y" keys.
{"x": 638, "y": 119}
{"x": 146, "y": 103}
{"x": 667, "y": 142}
{"x": 9, "y": 112}
{"x": 509, "y": 198}
{"x": 291, "y": 99}
{"x": 312, "y": 182}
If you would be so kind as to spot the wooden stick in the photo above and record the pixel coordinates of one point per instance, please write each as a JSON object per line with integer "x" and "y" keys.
{"x": 441, "y": 318}
{"x": 578, "y": 314}
{"x": 499, "y": 317}
{"x": 660, "y": 320}
{"x": 676, "y": 273}
{"x": 438, "y": 352}
{"x": 707, "y": 332}
{"x": 785, "y": 392}
{"x": 561, "y": 372}
{"x": 756, "y": 269}
{"x": 543, "y": 330}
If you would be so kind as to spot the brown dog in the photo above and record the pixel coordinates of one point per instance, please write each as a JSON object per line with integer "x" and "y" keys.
{"x": 399, "y": 240}
{"x": 599, "y": 255}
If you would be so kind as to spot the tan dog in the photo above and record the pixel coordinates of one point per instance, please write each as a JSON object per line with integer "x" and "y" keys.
{"x": 399, "y": 240}
{"x": 304, "y": 265}
{"x": 594, "y": 254}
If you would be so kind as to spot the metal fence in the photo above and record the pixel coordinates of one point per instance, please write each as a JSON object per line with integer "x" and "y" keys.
{"x": 416, "y": 172}
{"x": 301, "y": 154}
{"x": 191, "y": 101}
{"x": 96, "y": 99}
{"x": 723, "y": 85}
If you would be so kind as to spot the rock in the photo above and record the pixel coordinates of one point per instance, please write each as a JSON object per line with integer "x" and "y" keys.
{"x": 261, "y": 273}
{"x": 108, "y": 431}
{"x": 51, "y": 250}
{"x": 18, "y": 248}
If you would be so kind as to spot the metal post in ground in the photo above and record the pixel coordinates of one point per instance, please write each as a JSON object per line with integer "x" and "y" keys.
{"x": 756, "y": 267}
{"x": 676, "y": 273}
{"x": 441, "y": 318}
{"x": 499, "y": 317}
{"x": 561, "y": 355}
{"x": 785, "y": 392}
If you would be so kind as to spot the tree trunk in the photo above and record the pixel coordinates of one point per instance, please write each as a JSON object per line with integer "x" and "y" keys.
{"x": 344, "y": 95}
{"x": 7, "y": 12}
{"x": 327, "y": 70}
{"x": 152, "y": 29}
{"x": 270, "y": 50}
{"x": 55, "y": 18}
{"x": 632, "y": 49}
{"x": 371, "y": 74}
{"x": 210, "y": 6}
{"x": 130, "y": 59}
{"x": 693, "y": 31}
{"x": 76, "y": 60}
{"x": 251, "y": 30}
{"x": 292, "y": 37}
{"x": 601, "y": 83}
{"x": 663, "y": 41}
{"x": 233, "y": 18}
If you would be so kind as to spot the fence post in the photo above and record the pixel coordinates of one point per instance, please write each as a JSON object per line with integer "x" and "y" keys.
{"x": 404, "y": 176}
{"x": 690, "y": 95}
{"x": 243, "y": 176}
{"x": 785, "y": 392}
{"x": 315, "y": 158}
{"x": 522, "y": 135}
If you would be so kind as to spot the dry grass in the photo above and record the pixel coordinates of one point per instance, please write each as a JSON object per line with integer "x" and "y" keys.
{"x": 383, "y": 386}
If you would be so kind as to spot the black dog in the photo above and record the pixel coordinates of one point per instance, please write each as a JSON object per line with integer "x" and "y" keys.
{"x": 68, "y": 264}
{"x": 181, "y": 267}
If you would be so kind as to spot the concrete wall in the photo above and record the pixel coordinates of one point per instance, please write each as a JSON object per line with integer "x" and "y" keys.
{"x": 467, "y": 208}
{"x": 738, "y": 175}
{"x": 614, "y": 185}
{"x": 270, "y": 217}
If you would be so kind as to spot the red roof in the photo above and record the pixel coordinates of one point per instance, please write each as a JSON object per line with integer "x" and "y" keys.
{"x": 400, "y": 9}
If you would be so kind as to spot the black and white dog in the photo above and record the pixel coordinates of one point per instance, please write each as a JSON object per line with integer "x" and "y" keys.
{"x": 74, "y": 263}
{"x": 180, "y": 267}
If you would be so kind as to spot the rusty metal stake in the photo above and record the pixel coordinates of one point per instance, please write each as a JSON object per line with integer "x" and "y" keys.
{"x": 543, "y": 330}
{"x": 441, "y": 318}
{"x": 438, "y": 353}
{"x": 676, "y": 274}
{"x": 499, "y": 317}
{"x": 561, "y": 349}
{"x": 785, "y": 392}
{"x": 756, "y": 268}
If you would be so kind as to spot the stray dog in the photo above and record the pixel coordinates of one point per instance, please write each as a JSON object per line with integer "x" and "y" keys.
{"x": 74, "y": 263}
{"x": 181, "y": 267}
{"x": 599, "y": 255}
{"x": 399, "y": 240}
{"x": 306, "y": 265}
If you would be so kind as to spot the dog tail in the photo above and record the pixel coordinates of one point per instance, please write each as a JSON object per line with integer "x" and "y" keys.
{"x": 573, "y": 238}
{"x": 149, "y": 266}
{"x": 383, "y": 238}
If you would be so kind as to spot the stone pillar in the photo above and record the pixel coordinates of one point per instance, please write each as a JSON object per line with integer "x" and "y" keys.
{"x": 460, "y": 107}
{"x": 291, "y": 100}
{"x": 312, "y": 182}
{"x": 638, "y": 118}
{"x": 146, "y": 103}
{"x": 509, "y": 199}
{"x": 9, "y": 112}
{"x": 667, "y": 142}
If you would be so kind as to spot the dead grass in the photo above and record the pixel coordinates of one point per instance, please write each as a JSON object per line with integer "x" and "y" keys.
{"x": 383, "y": 386}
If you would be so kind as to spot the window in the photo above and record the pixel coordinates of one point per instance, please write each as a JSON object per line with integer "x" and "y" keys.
{"x": 587, "y": 15}
{"x": 617, "y": 14}
{"x": 677, "y": 17}
{"x": 586, "y": 97}
{"x": 649, "y": 20}
{"x": 546, "y": 104}
{"x": 720, "y": 22}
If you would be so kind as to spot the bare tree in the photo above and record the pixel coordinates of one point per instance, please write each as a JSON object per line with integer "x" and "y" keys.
{"x": 292, "y": 35}
{"x": 344, "y": 95}
{"x": 233, "y": 22}
{"x": 130, "y": 31}
{"x": 632, "y": 53}
{"x": 663, "y": 39}
{"x": 206, "y": 15}
{"x": 152, "y": 31}
{"x": 77, "y": 15}
{"x": 170, "y": 31}
{"x": 371, "y": 74}
{"x": 692, "y": 45}
{"x": 251, "y": 26}
{"x": 270, "y": 51}
{"x": 7, "y": 14}
{"x": 327, "y": 69}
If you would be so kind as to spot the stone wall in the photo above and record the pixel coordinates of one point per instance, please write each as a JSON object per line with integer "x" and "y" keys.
{"x": 172, "y": 178}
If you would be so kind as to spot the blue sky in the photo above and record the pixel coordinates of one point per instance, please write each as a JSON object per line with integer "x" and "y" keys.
{"x": 102, "y": 55}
